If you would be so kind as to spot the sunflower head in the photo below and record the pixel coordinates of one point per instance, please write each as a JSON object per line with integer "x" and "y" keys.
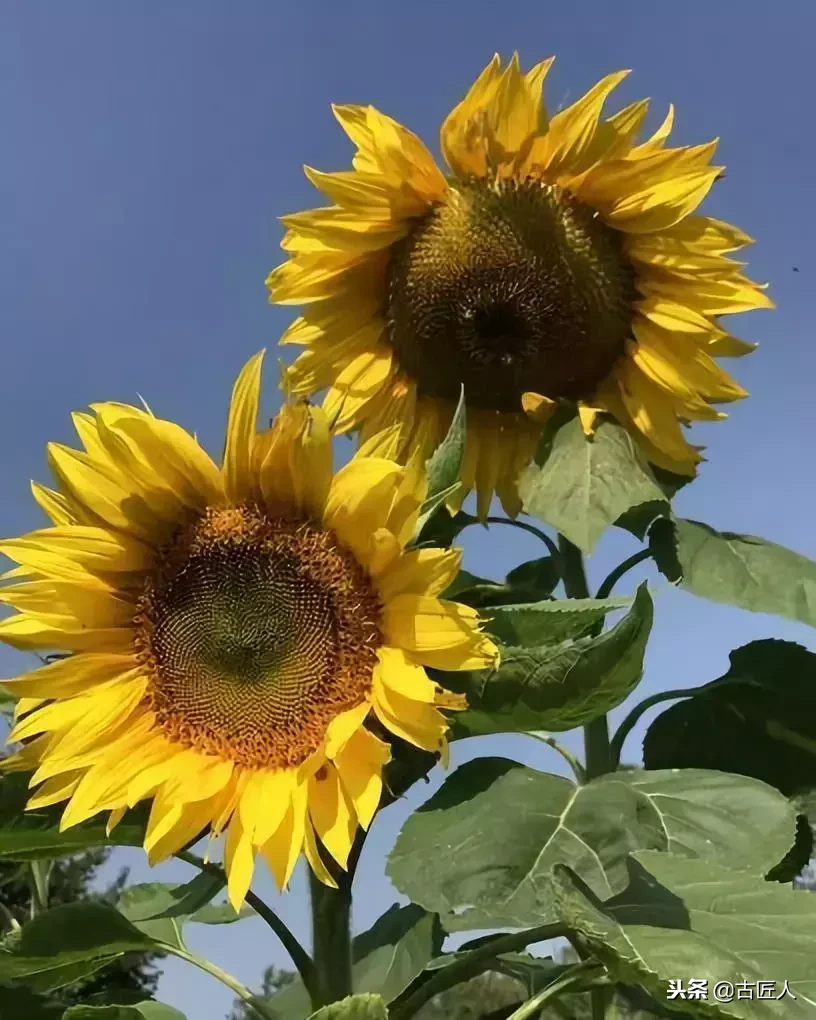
{"x": 560, "y": 262}
{"x": 248, "y": 642}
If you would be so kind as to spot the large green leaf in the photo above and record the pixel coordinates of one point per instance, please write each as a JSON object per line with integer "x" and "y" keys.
{"x": 62, "y": 945}
{"x": 481, "y": 850}
{"x": 387, "y": 958}
{"x": 355, "y": 1007}
{"x": 759, "y": 719}
{"x": 147, "y": 1010}
{"x": 556, "y": 686}
{"x": 161, "y": 910}
{"x": 740, "y": 570}
{"x": 681, "y": 918}
{"x": 584, "y": 485}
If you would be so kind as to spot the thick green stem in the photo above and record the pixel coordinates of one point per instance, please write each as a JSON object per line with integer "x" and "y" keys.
{"x": 331, "y": 939}
{"x": 570, "y": 980}
{"x": 596, "y": 733}
{"x": 470, "y": 965}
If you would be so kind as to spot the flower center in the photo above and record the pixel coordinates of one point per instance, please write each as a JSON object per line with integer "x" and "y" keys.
{"x": 507, "y": 287}
{"x": 256, "y": 633}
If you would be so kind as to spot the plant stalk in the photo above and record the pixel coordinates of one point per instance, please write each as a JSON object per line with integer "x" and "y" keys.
{"x": 596, "y": 732}
{"x": 241, "y": 990}
{"x": 570, "y": 980}
{"x": 331, "y": 939}
{"x": 301, "y": 959}
{"x": 470, "y": 965}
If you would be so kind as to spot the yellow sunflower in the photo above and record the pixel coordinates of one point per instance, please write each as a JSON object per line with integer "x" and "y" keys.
{"x": 244, "y": 640}
{"x": 560, "y": 262}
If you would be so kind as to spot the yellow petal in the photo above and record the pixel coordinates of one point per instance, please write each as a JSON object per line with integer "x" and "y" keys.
{"x": 656, "y": 142}
{"x": 241, "y": 427}
{"x": 312, "y": 853}
{"x": 55, "y": 504}
{"x": 676, "y": 363}
{"x": 420, "y": 572}
{"x": 283, "y": 849}
{"x": 396, "y": 672}
{"x": 710, "y": 297}
{"x": 416, "y": 722}
{"x": 360, "y": 765}
{"x": 437, "y": 633}
{"x": 239, "y": 861}
{"x": 355, "y": 386}
{"x": 567, "y": 146}
{"x": 75, "y": 553}
{"x": 360, "y": 500}
{"x": 343, "y": 726}
{"x": 663, "y": 204}
{"x": 652, "y": 412}
{"x": 65, "y": 678}
{"x": 332, "y": 814}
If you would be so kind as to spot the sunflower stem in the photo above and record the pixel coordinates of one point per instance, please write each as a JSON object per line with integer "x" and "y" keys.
{"x": 301, "y": 959}
{"x": 331, "y": 939}
{"x": 530, "y": 529}
{"x": 609, "y": 582}
{"x": 596, "y": 732}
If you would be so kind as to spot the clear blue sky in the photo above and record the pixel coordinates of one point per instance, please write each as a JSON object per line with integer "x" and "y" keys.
{"x": 148, "y": 148}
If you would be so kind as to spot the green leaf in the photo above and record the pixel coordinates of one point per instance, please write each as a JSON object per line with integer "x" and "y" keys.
{"x": 556, "y": 686}
{"x": 584, "y": 485}
{"x": 355, "y": 1007}
{"x": 147, "y": 1010}
{"x": 443, "y": 527}
{"x": 681, "y": 918}
{"x": 639, "y": 519}
{"x": 740, "y": 570}
{"x": 70, "y": 942}
{"x": 759, "y": 720}
{"x": 529, "y": 582}
{"x": 395, "y": 950}
{"x": 387, "y": 958}
{"x": 161, "y": 910}
{"x": 444, "y": 466}
{"x": 551, "y": 621}
{"x": 481, "y": 850}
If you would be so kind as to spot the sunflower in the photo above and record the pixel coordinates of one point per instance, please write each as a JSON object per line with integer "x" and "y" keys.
{"x": 560, "y": 262}
{"x": 245, "y": 641}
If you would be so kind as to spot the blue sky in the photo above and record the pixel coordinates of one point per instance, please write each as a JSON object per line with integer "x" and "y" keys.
{"x": 149, "y": 148}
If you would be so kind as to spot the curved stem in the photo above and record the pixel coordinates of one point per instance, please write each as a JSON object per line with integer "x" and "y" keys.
{"x": 566, "y": 982}
{"x": 468, "y": 966}
{"x": 596, "y": 732}
{"x": 572, "y": 761}
{"x": 531, "y": 529}
{"x": 628, "y": 724}
{"x": 612, "y": 579}
{"x": 301, "y": 959}
{"x": 241, "y": 990}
